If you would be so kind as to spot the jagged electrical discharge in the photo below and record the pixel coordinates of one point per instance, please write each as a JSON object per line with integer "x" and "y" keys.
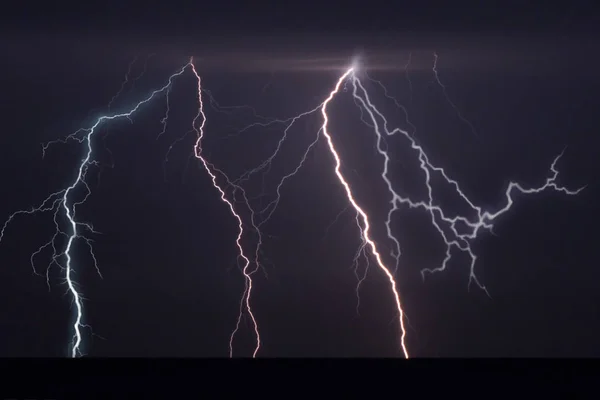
{"x": 63, "y": 202}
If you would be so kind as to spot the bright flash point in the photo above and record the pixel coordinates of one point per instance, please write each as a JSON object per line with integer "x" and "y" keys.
{"x": 356, "y": 64}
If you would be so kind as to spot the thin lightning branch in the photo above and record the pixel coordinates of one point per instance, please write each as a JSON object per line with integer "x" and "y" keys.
{"x": 164, "y": 119}
{"x": 362, "y": 251}
{"x": 407, "y": 74}
{"x": 273, "y": 204}
{"x": 337, "y": 217}
{"x": 144, "y": 69}
{"x": 124, "y": 83}
{"x": 229, "y": 109}
{"x": 289, "y": 123}
{"x": 398, "y": 105}
{"x": 439, "y": 82}
{"x": 264, "y": 214}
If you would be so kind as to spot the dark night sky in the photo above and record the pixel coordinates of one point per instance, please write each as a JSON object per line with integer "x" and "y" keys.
{"x": 525, "y": 76}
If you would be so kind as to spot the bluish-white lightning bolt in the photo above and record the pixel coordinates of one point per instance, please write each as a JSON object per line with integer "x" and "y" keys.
{"x": 62, "y": 203}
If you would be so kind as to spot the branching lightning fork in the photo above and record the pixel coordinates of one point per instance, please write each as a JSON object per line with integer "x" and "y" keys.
{"x": 63, "y": 203}
{"x": 482, "y": 220}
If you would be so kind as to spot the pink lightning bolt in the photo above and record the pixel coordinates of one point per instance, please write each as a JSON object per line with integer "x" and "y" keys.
{"x": 248, "y": 279}
{"x": 359, "y": 210}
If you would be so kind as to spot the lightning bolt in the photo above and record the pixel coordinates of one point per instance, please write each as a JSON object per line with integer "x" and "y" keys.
{"x": 366, "y": 226}
{"x": 64, "y": 204}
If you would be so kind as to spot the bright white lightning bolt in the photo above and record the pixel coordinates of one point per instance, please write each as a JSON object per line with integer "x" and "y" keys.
{"x": 60, "y": 202}
{"x": 365, "y": 218}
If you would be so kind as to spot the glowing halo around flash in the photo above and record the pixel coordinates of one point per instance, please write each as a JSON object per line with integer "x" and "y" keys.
{"x": 356, "y": 64}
